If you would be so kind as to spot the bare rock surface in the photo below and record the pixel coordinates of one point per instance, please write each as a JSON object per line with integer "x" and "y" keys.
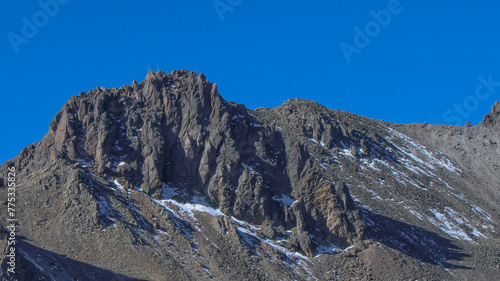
{"x": 165, "y": 180}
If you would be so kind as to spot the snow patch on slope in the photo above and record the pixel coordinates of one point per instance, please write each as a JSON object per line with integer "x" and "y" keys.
{"x": 421, "y": 154}
{"x": 445, "y": 224}
{"x": 285, "y": 199}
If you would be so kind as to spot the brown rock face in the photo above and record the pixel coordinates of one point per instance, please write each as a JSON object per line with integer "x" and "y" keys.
{"x": 176, "y": 129}
{"x": 165, "y": 180}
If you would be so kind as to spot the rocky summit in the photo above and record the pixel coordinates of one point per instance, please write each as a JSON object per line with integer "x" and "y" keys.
{"x": 165, "y": 180}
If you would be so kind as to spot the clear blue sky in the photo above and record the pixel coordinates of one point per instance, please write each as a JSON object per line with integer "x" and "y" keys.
{"x": 415, "y": 67}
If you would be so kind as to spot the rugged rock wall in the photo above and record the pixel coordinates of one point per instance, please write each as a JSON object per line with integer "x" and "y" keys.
{"x": 164, "y": 179}
{"x": 492, "y": 119}
{"x": 176, "y": 129}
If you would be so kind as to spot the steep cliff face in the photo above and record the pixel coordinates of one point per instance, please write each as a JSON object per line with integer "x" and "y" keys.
{"x": 164, "y": 179}
{"x": 176, "y": 130}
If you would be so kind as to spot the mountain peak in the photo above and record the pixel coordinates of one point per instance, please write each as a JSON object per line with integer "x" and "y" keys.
{"x": 178, "y": 181}
{"x": 493, "y": 119}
